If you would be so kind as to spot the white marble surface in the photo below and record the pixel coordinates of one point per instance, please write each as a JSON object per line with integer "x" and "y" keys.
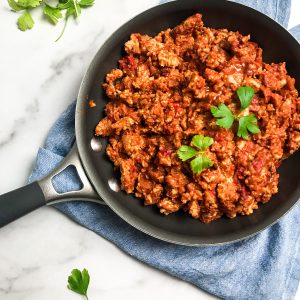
{"x": 38, "y": 79}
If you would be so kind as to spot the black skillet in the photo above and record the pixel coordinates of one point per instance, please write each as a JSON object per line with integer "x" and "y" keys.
{"x": 95, "y": 170}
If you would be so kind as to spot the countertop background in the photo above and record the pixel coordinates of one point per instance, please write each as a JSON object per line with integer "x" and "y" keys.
{"x": 39, "y": 78}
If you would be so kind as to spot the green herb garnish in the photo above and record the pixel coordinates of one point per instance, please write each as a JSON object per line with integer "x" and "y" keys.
{"x": 53, "y": 14}
{"x": 245, "y": 94}
{"x": 25, "y": 21}
{"x": 224, "y": 115}
{"x": 78, "y": 282}
{"x": 200, "y": 162}
{"x": 62, "y": 8}
{"x": 247, "y": 123}
{"x": 225, "y": 118}
{"x": 186, "y": 152}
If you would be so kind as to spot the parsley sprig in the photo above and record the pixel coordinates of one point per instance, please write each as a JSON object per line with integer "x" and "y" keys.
{"x": 201, "y": 161}
{"x": 78, "y": 282}
{"x": 225, "y": 117}
{"x": 53, "y": 12}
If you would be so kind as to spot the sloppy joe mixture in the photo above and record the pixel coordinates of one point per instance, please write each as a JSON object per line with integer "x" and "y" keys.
{"x": 161, "y": 96}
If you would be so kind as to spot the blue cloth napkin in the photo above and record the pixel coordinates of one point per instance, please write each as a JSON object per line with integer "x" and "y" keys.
{"x": 266, "y": 266}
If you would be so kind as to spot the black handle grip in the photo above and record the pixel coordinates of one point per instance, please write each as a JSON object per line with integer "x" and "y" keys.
{"x": 20, "y": 202}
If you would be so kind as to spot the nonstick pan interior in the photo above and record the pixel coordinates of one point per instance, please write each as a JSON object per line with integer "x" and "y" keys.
{"x": 278, "y": 45}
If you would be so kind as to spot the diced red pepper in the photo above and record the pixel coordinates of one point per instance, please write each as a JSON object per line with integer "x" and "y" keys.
{"x": 240, "y": 172}
{"x": 218, "y": 137}
{"x": 127, "y": 62}
{"x": 131, "y": 60}
{"x": 166, "y": 152}
{"x": 177, "y": 109}
{"x": 244, "y": 193}
{"x": 258, "y": 164}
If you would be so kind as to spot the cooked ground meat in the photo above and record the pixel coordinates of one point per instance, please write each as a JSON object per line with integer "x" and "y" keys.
{"x": 160, "y": 97}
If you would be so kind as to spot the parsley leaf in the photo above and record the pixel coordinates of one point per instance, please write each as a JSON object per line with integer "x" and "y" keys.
{"x": 247, "y": 123}
{"x": 70, "y": 11}
{"x": 65, "y": 5}
{"x": 74, "y": 7}
{"x": 78, "y": 282}
{"x": 25, "y": 21}
{"x": 52, "y": 14}
{"x": 202, "y": 142}
{"x": 29, "y": 3}
{"x": 14, "y": 5}
{"x": 86, "y": 3}
{"x": 245, "y": 94}
{"x": 52, "y": 9}
{"x": 226, "y": 118}
{"x": 224, "y": 114}
{"x": 200, "y": 163}
{"x": 186, "y": 152}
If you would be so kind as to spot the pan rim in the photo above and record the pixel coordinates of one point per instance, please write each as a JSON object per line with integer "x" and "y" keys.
{"x": 92, "y": 176}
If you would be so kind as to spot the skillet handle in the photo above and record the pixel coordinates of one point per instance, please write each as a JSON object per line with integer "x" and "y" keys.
{"x": 86, "y": 193}
{"x": 18, "y": 203}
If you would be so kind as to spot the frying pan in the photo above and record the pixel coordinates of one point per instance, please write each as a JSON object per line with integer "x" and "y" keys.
{"x": 94, "y": 168}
